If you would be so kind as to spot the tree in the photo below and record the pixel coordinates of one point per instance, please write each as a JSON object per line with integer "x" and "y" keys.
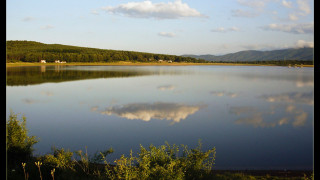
{"x": 19, "y": 144}
{"x": 117, "y": 57}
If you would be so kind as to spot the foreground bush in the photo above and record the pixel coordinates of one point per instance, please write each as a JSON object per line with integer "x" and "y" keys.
{"x": 164, "y": 162}
{"x": 59, "y": 159}
{"x": 19, "y": 144}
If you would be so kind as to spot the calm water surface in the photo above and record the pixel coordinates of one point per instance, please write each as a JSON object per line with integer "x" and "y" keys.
{"x": 256, "y": 117}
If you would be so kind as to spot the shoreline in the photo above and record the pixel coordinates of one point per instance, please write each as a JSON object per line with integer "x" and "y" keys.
{"x": 273, "y": 173}
{"x": 289, "y": 173}
{"x": 138, "y": 64}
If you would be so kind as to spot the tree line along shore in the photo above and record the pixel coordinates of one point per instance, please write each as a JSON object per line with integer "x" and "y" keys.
{"x": 121, "y": 63}
{"x": 30, "y": 51}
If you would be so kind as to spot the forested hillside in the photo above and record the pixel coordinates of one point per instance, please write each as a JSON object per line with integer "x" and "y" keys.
{"x": 31, "y": 51}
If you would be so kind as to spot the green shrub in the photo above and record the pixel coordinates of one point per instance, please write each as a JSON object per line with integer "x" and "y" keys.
{"x": 19, "y": 144}
{"x": 59, "y": 159}
{"x": 160, "y": 162}
{"x": 198, "y": 164}
{"x": 100, "y": 156}
{"x": 164, "y": 163}
{"x": 124, "y": 168}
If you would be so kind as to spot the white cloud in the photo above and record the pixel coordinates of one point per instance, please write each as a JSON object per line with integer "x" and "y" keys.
{"x": 263, "y": 46}
{"x": 283, "y": 121}
{"x": 267, "y": 119}
{"x": 95, "y": 12}
{"x": 147, "y": 9}
{"x": 300, "y": 116}
{"x": 166, "y": 87}
{"x": 252, "y": 3}
{"x": 242, "y": 110}
{"x": 268, "y": 47}
{"x": 301, "y": 83}
{"x": 302, "y": 43}
{"x": 145, "y": 111}
{"x": 304, "y": 6}
{"x": 256, "y": 120}
{"x": 303, "y": 28}
{"x": 94, "y": 108}
{"x": 256, "y": 7}
{"x": 223, "y": 30}
{"x": 287, "y": 4}
{"x": 220, "y": 29}
{"x": 30, "y": 101}
{"x": 300, "y": 119}
{"x": 47, "y": 27}
{"x": 243, "y": 13}
{"x": 293, "y": 17}
{"x": 290, "y": 108}
{"x": 167, "y": 34}
{"x": 27, "y": 19}
{"x": 215, "y": 93}
{"x": 47, "y": 93}
{"x": 300, "y": 8}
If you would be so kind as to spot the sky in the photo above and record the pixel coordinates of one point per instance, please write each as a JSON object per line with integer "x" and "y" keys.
{"x": 174, "y": 27}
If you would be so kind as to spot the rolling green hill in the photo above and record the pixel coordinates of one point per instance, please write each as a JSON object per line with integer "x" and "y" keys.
{"x": 31, "y": 51}
{"x": 301, "y": 54}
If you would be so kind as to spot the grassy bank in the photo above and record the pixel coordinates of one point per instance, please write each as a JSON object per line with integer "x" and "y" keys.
{"x": 123, "y": 63}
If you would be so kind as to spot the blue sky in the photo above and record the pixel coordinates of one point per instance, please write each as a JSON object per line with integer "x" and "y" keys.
{"x": 165, "y": 26}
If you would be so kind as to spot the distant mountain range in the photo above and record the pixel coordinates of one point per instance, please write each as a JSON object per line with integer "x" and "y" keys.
{"x": 305, "y": 54}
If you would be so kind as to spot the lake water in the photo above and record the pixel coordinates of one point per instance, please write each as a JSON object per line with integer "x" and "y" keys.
{"x": 257, "y": 117}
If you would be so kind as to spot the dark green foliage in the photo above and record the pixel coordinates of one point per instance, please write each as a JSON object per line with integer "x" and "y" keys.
{"x": 164, "y": 162}
{"x": 59, "y": 159}
{"x": 30, "y": 51}
{"x": 19, "y": 144}
{"x": 99, "y": 156}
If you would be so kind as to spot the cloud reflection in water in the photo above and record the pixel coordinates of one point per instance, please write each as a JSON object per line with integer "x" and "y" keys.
{"x": 252, "y": 116}
{"x": 166, "y": 87}
{"x": 223, "y": 93}
{"x": 293, "y": 97}
{"x": 174, "y": 112}
{"x": 304, "y": 84}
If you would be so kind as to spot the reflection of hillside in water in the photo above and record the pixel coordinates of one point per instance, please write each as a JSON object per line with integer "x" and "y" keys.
{"x": 17, "y": 76}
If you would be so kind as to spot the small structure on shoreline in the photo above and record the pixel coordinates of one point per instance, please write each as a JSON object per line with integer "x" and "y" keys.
{"x": 58, "y": 61}
{"x": 43, "y": 61}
